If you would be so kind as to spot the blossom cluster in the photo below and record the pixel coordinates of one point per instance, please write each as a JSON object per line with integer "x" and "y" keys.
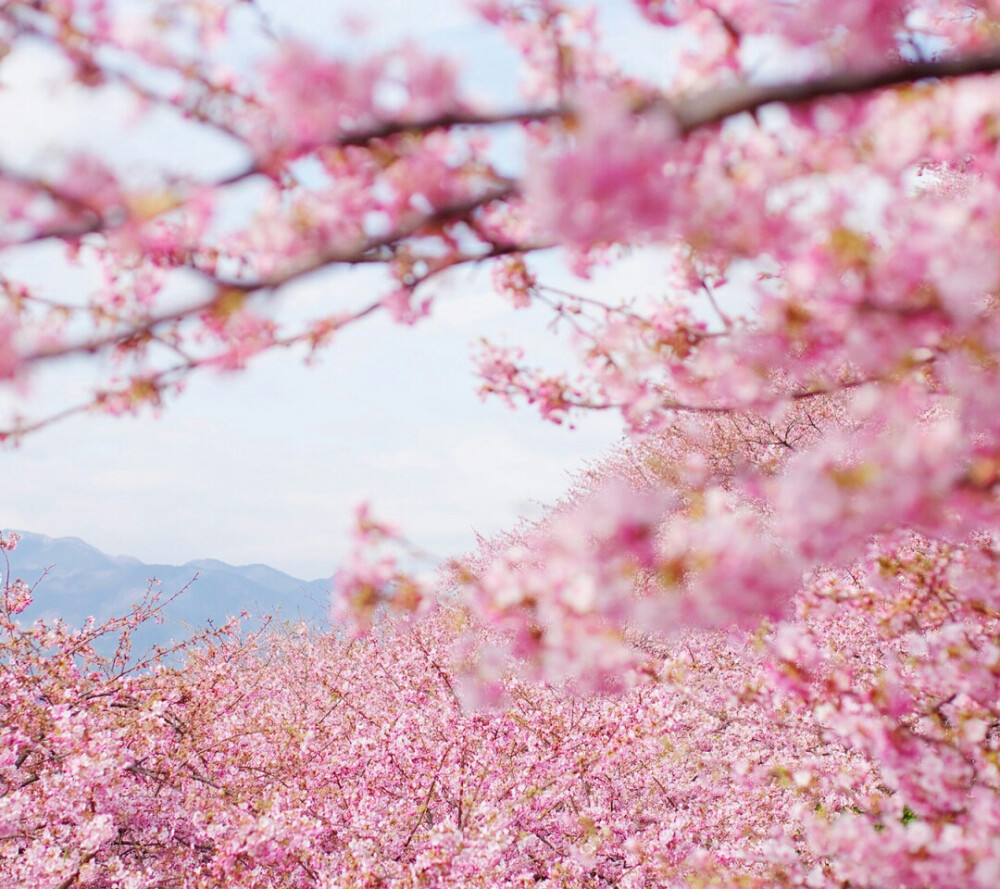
{"x": 853, "y": 741}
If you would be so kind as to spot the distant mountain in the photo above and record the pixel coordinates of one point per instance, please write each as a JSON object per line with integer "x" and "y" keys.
{"x": 80, "y": 581}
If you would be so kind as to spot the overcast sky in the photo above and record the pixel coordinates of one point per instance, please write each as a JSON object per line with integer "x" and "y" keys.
{"x": 265, "y": 466}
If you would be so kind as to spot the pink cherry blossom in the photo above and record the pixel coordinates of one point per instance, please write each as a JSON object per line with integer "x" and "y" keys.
{"x": 755, "y": 645}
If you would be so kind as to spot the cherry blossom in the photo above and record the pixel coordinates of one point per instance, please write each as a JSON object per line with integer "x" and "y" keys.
{"x": 756, "y": 645}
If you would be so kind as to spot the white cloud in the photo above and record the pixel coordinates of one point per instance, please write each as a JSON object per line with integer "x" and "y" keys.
{"x": 405, "y": 461}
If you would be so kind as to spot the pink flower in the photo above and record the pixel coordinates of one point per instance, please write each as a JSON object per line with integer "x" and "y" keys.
{"x": 613, "y": 180}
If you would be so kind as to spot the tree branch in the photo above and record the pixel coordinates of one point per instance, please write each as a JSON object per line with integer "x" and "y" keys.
{"x": 715, "y": 106}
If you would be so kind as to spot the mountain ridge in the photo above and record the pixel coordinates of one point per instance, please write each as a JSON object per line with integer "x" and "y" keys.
{"x": 74, "y": 580}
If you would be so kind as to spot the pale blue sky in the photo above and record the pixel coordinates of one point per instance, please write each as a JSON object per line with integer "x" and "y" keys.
{"x": 266, "y": 466}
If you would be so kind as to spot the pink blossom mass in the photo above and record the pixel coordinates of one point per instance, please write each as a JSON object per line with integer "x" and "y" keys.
{"x": 756, "y": 645}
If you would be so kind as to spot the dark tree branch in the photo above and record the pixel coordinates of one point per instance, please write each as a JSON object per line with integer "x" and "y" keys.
{"x": 716, "y": 106}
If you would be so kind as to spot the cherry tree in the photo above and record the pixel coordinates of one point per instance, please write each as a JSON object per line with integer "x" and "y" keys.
{"x": 303, "y": 760}
{"x": 755, "y": 646}
{"x": 852, "y": 744}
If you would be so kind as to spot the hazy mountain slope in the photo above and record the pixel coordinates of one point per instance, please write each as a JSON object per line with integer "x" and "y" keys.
{"x": 82, "y": 581}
